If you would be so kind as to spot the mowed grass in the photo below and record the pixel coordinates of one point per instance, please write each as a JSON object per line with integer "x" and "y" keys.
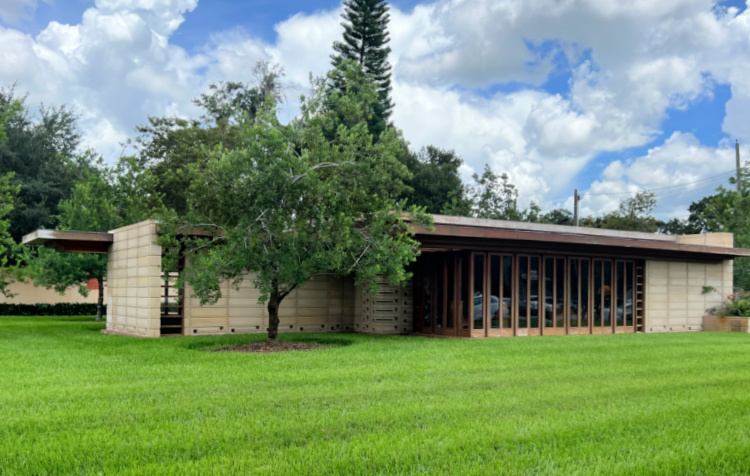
{"x": 75, "y": 401}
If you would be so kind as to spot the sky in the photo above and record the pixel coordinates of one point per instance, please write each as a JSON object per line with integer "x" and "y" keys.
{"x": 609, "y": 97}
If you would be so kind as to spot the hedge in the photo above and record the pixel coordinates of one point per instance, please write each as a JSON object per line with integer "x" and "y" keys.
{"x": 59, "y": 309}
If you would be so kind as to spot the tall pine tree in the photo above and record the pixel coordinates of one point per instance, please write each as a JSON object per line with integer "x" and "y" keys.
{"x": 365, "y": 42}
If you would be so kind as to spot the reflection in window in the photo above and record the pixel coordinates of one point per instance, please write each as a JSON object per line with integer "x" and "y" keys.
{"x": 496, "y": 292}
{"x": 559, "y": 309}
{"x": 450, "y": 290}
{"x": 465, "y": 304}
{"x": 583, "y": 304}
{"x": 507, "y": 294}
{"x": 534, "y": 292}
{"x": 523, "y": 292}
{"x": 479, "y": 299}
{"x": 549, "y": 293}
{"x": 575, "y": 297}
{"x": 629, "y": 278}
{"x": 429, "y": 269}
{"x": 607, "y": 292}
{"x": 598, "y": 294}
{"x": 441, "y": 293}
{"x": 620, "y": 293}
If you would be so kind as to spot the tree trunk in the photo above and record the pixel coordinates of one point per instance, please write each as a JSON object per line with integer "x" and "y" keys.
{"x": 274, "y": 300}
{"x": 100, "y": 301}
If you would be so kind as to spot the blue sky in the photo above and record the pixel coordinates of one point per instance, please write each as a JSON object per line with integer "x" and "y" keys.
{"x": 607, "y": 97}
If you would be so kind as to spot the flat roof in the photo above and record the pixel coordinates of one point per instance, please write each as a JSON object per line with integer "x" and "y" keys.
{"x": 453, "y": 232}
{"x": 71, "y": 241}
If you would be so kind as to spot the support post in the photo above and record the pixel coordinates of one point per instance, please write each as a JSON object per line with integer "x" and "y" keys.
{"x": 576, "y": 199}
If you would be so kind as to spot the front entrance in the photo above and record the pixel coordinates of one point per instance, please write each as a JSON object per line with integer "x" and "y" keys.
{"x": 487, "y": 294}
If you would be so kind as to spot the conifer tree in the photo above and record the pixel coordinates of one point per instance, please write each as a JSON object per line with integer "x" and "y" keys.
{"x": 365, "y": 42}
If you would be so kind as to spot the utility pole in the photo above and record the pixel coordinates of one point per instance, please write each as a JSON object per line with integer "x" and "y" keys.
{"x": 737, "y": 153}
{"x": 576, "y": 199}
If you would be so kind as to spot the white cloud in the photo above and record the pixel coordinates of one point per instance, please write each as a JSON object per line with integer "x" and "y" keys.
{"x": 12, "y": 11}
{"x": 632, "y": 62}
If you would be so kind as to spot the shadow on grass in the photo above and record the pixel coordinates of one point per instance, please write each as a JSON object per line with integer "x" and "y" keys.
{"x": 208, "y": 342}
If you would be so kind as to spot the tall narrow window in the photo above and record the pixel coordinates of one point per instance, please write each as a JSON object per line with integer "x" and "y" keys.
{"x": 480, "y": 301}
{"x": 506, "y": 302}
{"x": 534, "y": 292}
{"x": 598, "y": 294}
{"x": 441, "y": 292}
{"x": 607, "y": 294}
{"x": 583, "y": 304}
{"x": 619, "y": 297}
{"x": 450, "y": 291}
{"x": 523, "y": 292}
{"x": 549, "y": 292}
{"x": 575, "y": 295}
{"x": 465, "y": 303}
{"x": 496, "y": 291}
{"x": 629, "y": 301}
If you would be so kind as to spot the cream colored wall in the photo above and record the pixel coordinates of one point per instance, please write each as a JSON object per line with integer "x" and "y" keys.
{"x": 27, "y": 293}
{"x": 134, "y": 281}
{"x": 326, "y": 303}
{"x": 389, "y": 311}
{"x": 674, "y": 293}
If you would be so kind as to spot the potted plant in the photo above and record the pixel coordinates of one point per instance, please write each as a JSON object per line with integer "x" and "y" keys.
{"x": 731, "y": 315}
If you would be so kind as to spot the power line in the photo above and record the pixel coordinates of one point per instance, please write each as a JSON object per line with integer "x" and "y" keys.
{"x": 662, "y": 188}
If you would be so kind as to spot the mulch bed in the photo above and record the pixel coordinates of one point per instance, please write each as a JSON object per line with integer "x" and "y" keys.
{"x": 265, "y": 347}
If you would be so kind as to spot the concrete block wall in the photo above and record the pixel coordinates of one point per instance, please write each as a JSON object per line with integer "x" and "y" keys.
{"x": 134, "y": 281}
{"x": 389, "y": 311}
{"x": 327, "y": 303}
{"x": 674, "y": 298}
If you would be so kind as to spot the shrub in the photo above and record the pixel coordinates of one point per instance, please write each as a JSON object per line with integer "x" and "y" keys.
{"x": 59, "y": 309}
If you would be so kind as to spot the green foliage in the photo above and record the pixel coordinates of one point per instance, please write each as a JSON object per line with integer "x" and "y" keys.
{"x": 558, "y": 216}
{"x": 44, "y": 309}
{"x": 435, "y": 183}
{"x": 41, "y": 153}
{"x": 169, "y": 146}
{"x": 634, "y": 214}
{"x": 495, "y": 197}
{"x": 365, "y": 41}
{"x": 288, "y": 204}
{"x": 108, "y": 198}
{"x": 8, "y": 193}
{"x": 76, "y": 401}
{"x": 235, "y": 102}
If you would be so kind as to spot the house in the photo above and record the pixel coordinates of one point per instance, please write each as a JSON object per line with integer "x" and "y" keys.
{"x": 474, "y": 278}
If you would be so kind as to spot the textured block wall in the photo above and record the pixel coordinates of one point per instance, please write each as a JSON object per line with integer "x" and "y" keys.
{"x": 326, "y": 303}
{"x": 389, "y": 311}
{"x": 134, "y": 281}
{"x": 674, "y": 298}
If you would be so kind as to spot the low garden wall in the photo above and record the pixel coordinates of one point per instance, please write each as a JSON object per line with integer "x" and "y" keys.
{"x": 725, "y": 324}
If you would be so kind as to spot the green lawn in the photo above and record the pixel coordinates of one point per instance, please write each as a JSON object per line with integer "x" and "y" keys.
{"x": 75, "y": 401}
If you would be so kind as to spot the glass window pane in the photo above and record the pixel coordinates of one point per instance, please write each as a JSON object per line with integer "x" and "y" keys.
{"x": 598, "y": 294}
{"x": 607, "y": 291}
{"x": 583, "y": 306}
{"x": 479, "y": 298}
{"x": 523, "y": 290}
{"x": 465, "y": 303}
{"x": 629, "y": 301}
{"x": 496, "y": 293}
{"x": 428, "y": 271}
{"x": 450, "y": 291}
{"x": 620, "y": 293}
{"x": 574, "y": 297}
{"x": 560, "y": 293}
{"x": 507, "y": 294}
{"x": 440, "y": 291}
{"x": 534, "y": 293}
{"x": 549, "y": 292}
